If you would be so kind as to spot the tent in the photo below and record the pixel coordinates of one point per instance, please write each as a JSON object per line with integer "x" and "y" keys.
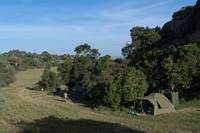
{"x": 156, "y": 104}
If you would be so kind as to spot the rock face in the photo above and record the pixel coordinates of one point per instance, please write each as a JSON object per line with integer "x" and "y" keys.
{"x": 195, "y": 26}
{"x": 186, "y": 27}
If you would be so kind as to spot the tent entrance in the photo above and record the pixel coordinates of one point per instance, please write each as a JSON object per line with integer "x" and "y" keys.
{"x": 148, "y": 107}
{"x": 144, "y": 106}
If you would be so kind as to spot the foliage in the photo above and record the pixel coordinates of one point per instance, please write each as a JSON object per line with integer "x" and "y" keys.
{"x": 64, "y": 70}
{"x": 113, "y": 94}
{"x": 85, "y": 50}
{"x": 48, "y": 80}
{"x": 102, "y": 80}
{"x": 141, "y": 38}
{"x": 46, "y": 57}
{"x": 171, "y": 67}
{"x": 21, "y": 60}
{"x": 6, "y": 74}
{"x": 30, "y": 112}
{"x": 134, "y": 84}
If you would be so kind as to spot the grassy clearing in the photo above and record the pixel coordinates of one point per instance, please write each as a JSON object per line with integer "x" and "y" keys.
{"x": 33, "y": 111}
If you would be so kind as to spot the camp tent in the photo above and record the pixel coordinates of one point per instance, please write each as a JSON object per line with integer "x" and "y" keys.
{"x": 156, "y": 104}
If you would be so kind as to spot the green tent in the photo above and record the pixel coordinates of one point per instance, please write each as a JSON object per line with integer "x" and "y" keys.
{"x": 156, "y": 104}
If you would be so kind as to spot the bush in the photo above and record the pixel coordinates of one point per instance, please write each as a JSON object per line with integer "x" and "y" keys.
{"x": 113, "y": 96}
{"x": 134, "y": 84}
{"x": 48, "y": 81}
{"x": 6, "y": 74}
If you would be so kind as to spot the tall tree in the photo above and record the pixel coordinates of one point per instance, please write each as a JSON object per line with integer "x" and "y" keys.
{"x": 134, "y": 84}
{"x": 48, "y": 80}
{"x": 83, "y": 49}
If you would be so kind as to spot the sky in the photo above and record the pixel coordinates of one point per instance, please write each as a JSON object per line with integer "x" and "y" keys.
{"x": 58, "y": 26}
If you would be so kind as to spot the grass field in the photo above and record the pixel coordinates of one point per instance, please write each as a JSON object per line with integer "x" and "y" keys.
{"x": 28, "y": 111}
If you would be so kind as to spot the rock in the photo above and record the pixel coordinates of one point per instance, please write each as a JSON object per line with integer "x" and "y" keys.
{"x": 183, "y": 27}
{"x": 195, "y": 23}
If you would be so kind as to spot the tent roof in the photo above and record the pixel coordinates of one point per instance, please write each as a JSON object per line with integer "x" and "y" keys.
{"x": 160, "y": 102}
{"x": 157, "y": 98}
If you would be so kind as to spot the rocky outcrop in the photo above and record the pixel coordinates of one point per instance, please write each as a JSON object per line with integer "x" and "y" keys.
{"x": 195, "y": 23}
{"x": 185, "y": 27}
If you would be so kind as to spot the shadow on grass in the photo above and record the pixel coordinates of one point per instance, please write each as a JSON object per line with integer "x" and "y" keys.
{"x": 84, "y": 102}
{"x": 55, "y": 125}
{"x": 32, "y": 88}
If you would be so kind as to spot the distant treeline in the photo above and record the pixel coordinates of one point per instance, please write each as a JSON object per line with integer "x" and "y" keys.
{"x": 16, "y": 60}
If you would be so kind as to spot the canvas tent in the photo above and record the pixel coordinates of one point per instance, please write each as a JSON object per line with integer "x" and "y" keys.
{"x": 156, "y": 104}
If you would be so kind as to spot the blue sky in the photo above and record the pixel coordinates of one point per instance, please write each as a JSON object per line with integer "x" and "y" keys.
{"x": 58, "y": 26}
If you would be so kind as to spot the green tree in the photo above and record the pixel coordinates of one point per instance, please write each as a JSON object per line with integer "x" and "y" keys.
{"x": 113, "y": 94}
{"x": 46, "y": 57}
{"x": 141, "y": 38}
{"x": 48, "y": 80}
{"x": 64, "y": 70}
{"x": 83, "y": 49}
{"x": 94, "y": 53}
{"x": 6, "y": 74}
{"x": 134, "y": 84}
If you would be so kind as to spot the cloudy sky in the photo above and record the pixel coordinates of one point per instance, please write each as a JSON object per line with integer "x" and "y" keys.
{"x": 58, "y": 26}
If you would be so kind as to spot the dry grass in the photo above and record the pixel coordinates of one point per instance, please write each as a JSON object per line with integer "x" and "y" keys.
{"x": 33, "y": 111}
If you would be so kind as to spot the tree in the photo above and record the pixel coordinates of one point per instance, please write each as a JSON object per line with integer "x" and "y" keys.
{"x": 134, "y": 84}
{"x": 128, "y": 50}
{"x": 64, "y": 70}
{"x": 6, "y": 74}
{"x": 48, "y": 80}
{"x": 113, "y": 94}
{"x": 83, "y": 49}
{"x": 94, "y": 53}
{"x": 102, "y": 64}
{"x": 46, "y": 57}
{"x": 144, "y": 38}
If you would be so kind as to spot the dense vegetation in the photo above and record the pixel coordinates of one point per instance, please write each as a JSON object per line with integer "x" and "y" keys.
{"x": 146, "y": 69}
{"x": 157, "y": 60}
{"x": 16, "y": 60}
{"x": 35, "y": 111}
{"x": 99, "y": 79}
{"x": 174, "y": 67}
{"x": 154, "y": 61}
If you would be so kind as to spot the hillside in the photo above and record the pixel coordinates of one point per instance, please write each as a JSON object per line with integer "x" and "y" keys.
{"x": 33, "y": 111}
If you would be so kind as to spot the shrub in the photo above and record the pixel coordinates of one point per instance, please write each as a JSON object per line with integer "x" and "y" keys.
{"x": 48, "y": 81}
